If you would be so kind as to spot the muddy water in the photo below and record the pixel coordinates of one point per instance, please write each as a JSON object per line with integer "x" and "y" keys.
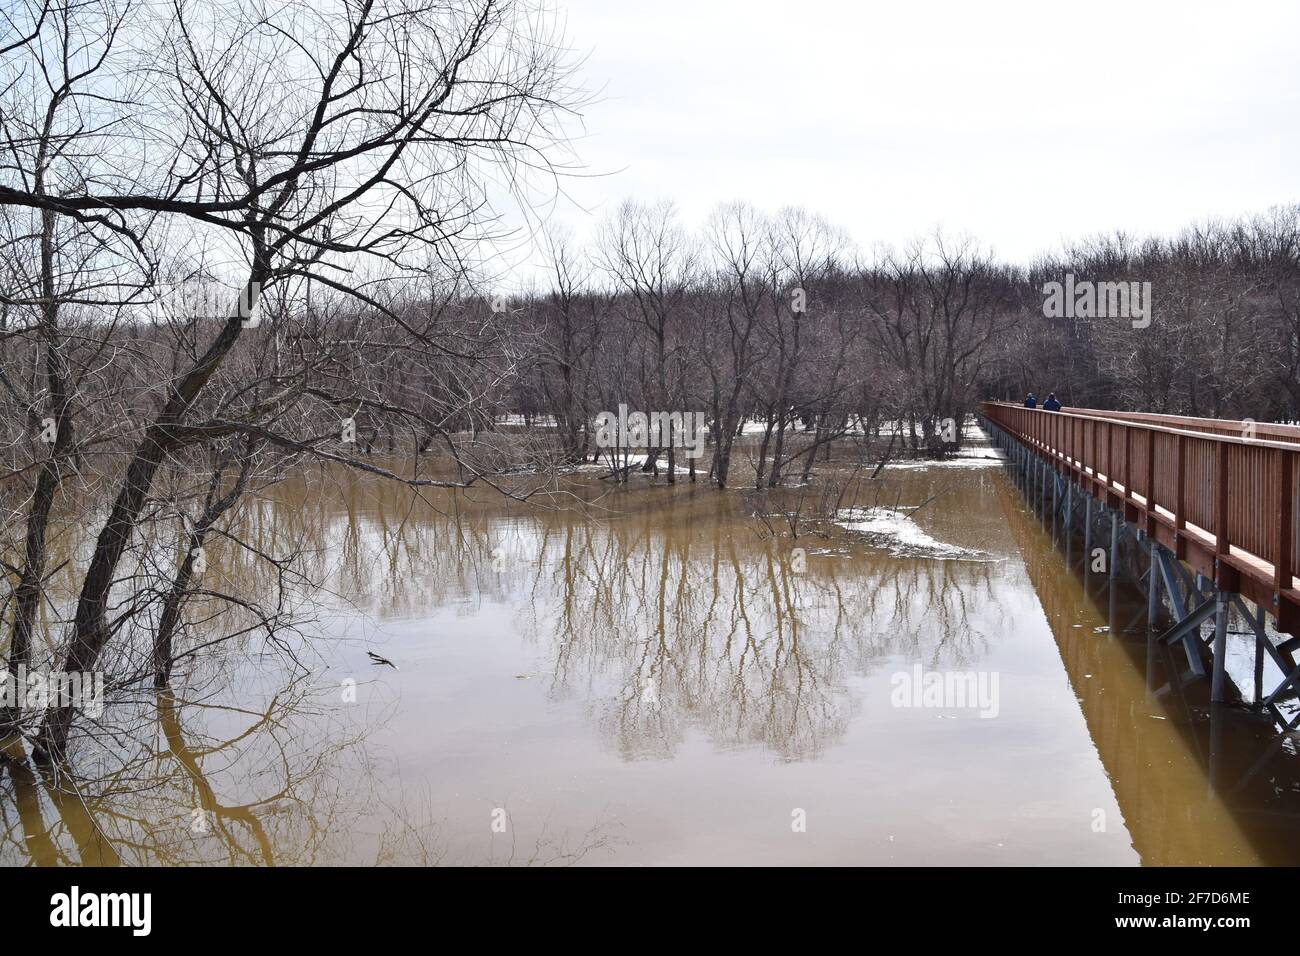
{"x": 661, "y": 677}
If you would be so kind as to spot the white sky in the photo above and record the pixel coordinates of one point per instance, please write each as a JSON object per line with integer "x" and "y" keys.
{"x": 1025, "y": 124}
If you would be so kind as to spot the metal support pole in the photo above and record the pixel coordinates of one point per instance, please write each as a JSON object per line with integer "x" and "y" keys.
{"x": 1191, "y": 641}
{"x": 1261, "y": 636}
{"x": 1153, "y": 587}
{"x": 1087, "y": 537}
{"x": 1218, "y": 690}
{"x": 1069, "y": 521}
{"x": 1044, "y": 490}
{"x": 1114, "y": 545}
{"x": 1056, "y": 503}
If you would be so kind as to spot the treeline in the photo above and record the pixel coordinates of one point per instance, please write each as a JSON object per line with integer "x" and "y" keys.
{"x": 772, "y": 322}
{"x": 760, "y": 319}
{"x": 764, "y": 320}
{"x": 777, "y": 320}
{"x": 1224, "y": 336}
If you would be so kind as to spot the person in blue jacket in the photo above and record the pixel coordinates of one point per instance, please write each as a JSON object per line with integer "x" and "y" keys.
{"x": 1051, "y": 405}
{"x": 1030, "y": 401}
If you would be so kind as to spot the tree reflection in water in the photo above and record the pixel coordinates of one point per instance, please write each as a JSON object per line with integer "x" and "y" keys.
{"x": 661, "y": 611}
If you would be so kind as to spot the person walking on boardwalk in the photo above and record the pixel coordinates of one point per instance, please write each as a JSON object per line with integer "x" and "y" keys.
{"x": 1051, "y": 404}
{"x": 1030, "y": 401}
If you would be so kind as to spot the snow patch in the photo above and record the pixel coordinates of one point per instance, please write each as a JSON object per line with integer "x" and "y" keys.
{"x": 977, "y": 458}
{"x": 891, "y": 528}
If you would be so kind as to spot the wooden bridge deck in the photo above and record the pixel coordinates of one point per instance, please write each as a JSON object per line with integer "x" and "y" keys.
{"x": 1219, "y": 494}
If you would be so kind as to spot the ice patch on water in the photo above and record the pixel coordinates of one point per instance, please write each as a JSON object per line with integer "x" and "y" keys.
{"x": 1239, "y": 662}
{"x": 983, "y": 452}
{"x": 977, "y": 457}
{"x": 606, "y": 464}
{"x": 891, "y": 528}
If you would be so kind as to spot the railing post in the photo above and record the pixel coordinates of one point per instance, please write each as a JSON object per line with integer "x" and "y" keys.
{"x": 1151, "y": 483}
{"x": 1180, "y": 497}
{"x": 1087, "y": 453}
{"x": 1128, "y": 463}
{"x": 1111, "y": 481}
{"x": 1282, "y": 569}
{"x": 1221, "y": 499}
{"x": 1222, "y": 544}
{"x": 1074, "y": 440}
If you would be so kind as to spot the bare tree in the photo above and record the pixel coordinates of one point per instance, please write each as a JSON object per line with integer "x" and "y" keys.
{"x": 650, "y": 257}
{"x": 325, "y": 146}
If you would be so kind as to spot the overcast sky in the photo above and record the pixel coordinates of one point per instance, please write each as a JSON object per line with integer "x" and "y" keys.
{"x": 1024, "y": 124}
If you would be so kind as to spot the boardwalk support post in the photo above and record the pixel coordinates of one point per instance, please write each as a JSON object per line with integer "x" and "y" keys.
{"x": 1114, "y": 544}
{"x": 1191, "y": 641}
{"x": 1153, "y": 586}
{"x": 1056, "y": 506}
{"x": 1218, "y": 690}
{"x": 1069, "y": 522}
{"x": 1261, "y": 636}
{"x": 1087, "y": 536}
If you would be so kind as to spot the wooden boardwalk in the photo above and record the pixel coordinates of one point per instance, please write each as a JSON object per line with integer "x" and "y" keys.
{"x": 1220, "y": 495}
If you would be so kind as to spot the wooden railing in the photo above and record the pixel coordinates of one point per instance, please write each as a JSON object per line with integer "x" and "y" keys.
{"x": 1215, "y": 426}
{"x": 1221, "y": 495}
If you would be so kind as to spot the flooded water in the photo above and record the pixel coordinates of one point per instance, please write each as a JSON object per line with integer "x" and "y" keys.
{"x": 661, "y": 677}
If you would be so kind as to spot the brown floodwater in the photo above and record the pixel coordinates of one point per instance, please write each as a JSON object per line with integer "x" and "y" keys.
{"x": 658, "y": 676}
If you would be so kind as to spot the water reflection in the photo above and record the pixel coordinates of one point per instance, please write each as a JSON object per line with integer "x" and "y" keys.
{"x": 1198, "y": 784}
{"x": 262, "y": 783}
{"x": 672, "y": 611}
{"x": 651, "y": 676}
